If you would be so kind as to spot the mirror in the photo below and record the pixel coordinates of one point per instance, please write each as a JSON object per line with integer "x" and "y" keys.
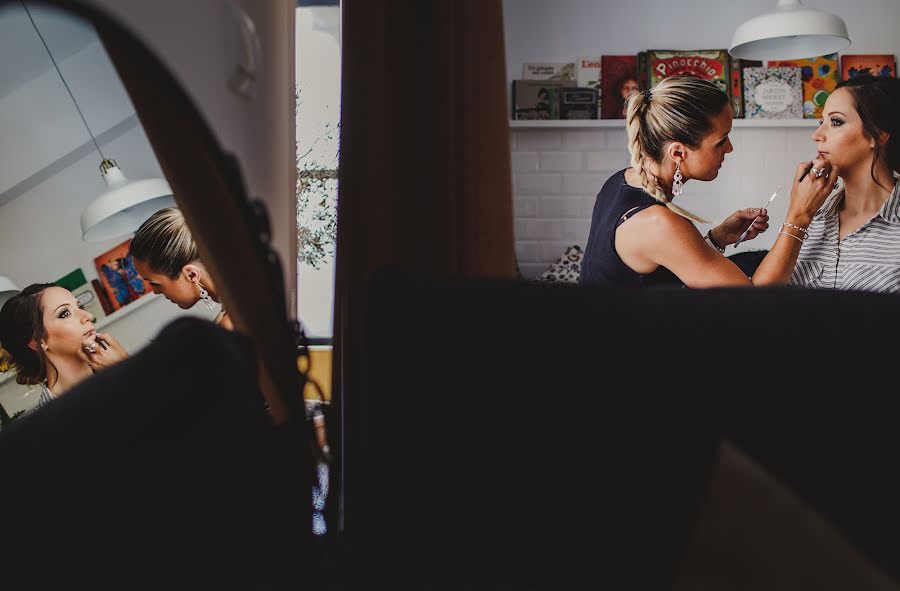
{"x": 49, "y": 176}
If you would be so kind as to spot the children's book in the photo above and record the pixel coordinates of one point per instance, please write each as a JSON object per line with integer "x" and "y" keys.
{"x": 773, "y": 93}
{"x": 872, "y": 64}
{"x": 820, "y": 78}
{"x": 587, "y": 75}
{"x": 619, "y": 76}
{"x": 537, "y": 99}
{"x": 708, "y": 64}
{"x": 548, "y": 71}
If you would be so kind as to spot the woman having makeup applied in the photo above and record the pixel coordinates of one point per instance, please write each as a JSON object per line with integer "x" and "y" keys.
{"x": 52, "y": 341}
{"x": 853, "y": 241}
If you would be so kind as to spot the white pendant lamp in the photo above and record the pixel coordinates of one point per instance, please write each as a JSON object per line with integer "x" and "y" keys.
{"x": 126, "y": 204}
{"x": 791, "y": 31}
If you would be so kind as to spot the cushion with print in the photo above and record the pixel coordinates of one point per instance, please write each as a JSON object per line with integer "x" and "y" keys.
{"x": 566, "y": 269}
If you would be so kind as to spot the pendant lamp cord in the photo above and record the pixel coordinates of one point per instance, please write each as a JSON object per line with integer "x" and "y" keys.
{"x": 55, "y": 65}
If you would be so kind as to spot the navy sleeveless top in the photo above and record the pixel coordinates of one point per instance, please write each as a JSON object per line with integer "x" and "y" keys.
{"x": 616, "y": 202}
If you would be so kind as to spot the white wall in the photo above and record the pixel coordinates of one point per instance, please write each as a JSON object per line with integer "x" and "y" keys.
{"x": 557, "y": 173}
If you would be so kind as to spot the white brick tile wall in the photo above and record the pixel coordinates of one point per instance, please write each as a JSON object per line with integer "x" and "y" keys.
{"x": 535, "y": 184}
{"x": 524, "y": 161}
{"x": 561, "y": 161}
{"x": 584, "y": 139}
{"x": 525, "y": 206}
{"x": 610, "y": 160}
{"x": 554, "y": 197}
{"x": 539, "y": 139}
{"x": 566, "y": 206}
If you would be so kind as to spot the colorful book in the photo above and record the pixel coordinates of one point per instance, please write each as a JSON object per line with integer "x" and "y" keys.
{"x": 537, "y": 99}
{"x": 737, "y": 84}
{"x": 548, "y": 71}
{"x": 643, "y": 71}
{"x": 619, "y": 76}
{"x": 773, "y": 93}
{"x": 709, "y": 64}
{"x": 872, "y": 64}
{"x": 820, "y": 78}
{"x": 587, "y": 75}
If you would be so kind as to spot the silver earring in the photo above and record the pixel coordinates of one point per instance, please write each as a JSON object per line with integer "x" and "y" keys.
{"x": 677, "y": 184}
{"x": 207, "y": 300}
{"x": 44, "y": 346}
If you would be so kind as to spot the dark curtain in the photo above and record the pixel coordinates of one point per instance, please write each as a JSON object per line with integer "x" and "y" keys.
{"x": 425, "y": 178}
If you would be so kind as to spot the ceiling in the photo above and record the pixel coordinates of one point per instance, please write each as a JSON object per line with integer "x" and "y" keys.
{"x": 23, "y": 55}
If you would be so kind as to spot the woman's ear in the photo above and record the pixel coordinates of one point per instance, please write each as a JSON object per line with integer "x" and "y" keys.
{"x": 677, "y": 152}
{"x": 33, "y": 345}
{"x": 192, "y": 273}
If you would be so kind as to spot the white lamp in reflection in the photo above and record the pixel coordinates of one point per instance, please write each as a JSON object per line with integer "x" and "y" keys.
{"x": 791, "y": 31}
{"x": 7, "y": 289}
{"x": 126, "y": 204}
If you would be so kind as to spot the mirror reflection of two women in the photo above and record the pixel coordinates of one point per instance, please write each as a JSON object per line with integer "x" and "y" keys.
{"x": 51, "y": 340}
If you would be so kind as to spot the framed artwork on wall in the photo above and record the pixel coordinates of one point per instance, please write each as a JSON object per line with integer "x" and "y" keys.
{"x": 119, "y": 278}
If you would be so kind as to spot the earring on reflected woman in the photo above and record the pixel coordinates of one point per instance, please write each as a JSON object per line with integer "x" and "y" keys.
{"x": 207, "y": 299}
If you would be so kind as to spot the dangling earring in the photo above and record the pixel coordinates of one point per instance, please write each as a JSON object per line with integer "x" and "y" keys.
{"x": 207, "y": 300}
{"x": 677, "y": 184}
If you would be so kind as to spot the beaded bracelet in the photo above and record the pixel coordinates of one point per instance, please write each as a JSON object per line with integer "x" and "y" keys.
{"x": 712, "y": 242}
{"x": 797, "y": 238}
{"x": 796, "y": 227}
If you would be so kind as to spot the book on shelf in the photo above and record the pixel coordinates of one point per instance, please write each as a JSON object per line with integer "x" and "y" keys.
{"x": 872, "y": 64}
{"x": 578, "y": 102}
{"x": 619, "y": 76}
{"x": 643, "y": 71}
{"x": 737, "y": 83}
{"x": 537, "y": 99}
{"x": 773, "y": 93}
{"x": 819, "y": 76}
{"x": 587, "y": 75}
{"x": 548, "y": 71}
{"x": 709, "y": 64}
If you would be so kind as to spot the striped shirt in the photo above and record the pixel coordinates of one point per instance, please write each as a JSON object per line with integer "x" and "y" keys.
{"x": 46, "y": 396}
{"x": 867, "y": 259}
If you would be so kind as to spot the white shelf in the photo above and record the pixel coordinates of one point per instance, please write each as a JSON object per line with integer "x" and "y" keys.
{"x": 620, "y": 123}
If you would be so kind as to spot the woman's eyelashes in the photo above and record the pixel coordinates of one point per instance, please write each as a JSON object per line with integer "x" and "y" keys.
{"x": 65, "y": 312}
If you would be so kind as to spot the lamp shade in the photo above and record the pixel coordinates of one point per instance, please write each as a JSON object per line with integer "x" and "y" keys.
{"x": 791, "y": 31}
{"x": 124, "y": 206}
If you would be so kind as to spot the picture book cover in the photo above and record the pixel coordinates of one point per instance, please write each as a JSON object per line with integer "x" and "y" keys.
{"x": 537, "y": 99}
{"x": 84, "y": 292}
{"x": 548, "y": 71}
{"x": 587, "y": 74}
{"x": 708, "y": 64}
{"x": 820, "y": 78}
{"x": 773, "y": 93}
{"x": 619, "y": 76}
{"x": 119, "y": 278}
{"x": 872, "y": 64}
{"x": 737, "y": 84}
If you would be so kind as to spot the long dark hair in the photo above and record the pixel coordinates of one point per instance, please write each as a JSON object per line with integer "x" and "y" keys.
{"x": 21, "y": 322}
{"x": 876, "y": 99}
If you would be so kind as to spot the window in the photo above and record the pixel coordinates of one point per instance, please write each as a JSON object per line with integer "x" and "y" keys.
{"x": 318, "y": 113}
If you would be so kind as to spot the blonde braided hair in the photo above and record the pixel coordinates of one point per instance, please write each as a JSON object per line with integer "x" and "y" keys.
{"x": 678, "y": 109}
